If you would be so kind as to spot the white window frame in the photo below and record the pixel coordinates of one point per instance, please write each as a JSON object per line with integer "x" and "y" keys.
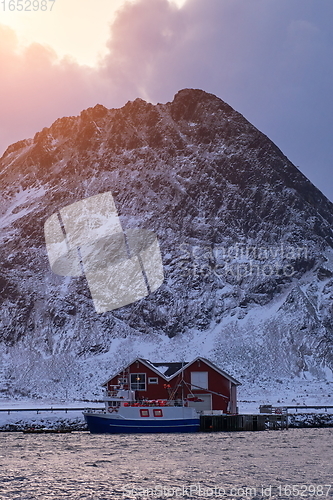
{"x": 134, "y": 385}
{"x": 152, "y": 380}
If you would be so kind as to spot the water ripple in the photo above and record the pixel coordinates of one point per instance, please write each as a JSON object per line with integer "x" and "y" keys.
{"x": 233, "y": 466}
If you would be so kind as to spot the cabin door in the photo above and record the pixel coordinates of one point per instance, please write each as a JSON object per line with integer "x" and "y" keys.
{"x": 205, "y": 404}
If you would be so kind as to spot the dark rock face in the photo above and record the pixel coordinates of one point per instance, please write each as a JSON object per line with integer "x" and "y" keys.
{"x": 245, "y": 238}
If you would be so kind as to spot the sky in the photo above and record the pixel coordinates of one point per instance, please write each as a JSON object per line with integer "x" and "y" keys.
{"x": 271, "y": 60}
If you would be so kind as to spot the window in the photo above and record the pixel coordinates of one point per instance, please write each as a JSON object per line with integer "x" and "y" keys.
{"x": 114, "y": 403}
{"x": 138, "y": 381}
{"x": 153, "y": 380}
{"x": 158, "y": 412}
{"x": 144, "y": 412}
{"x": 199, "y": 380}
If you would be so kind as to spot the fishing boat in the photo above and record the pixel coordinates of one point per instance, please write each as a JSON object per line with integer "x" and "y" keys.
{"x": 124, "y": 414}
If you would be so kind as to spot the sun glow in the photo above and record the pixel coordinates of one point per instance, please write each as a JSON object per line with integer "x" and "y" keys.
{"x": 76, "y": 29}
{"x": 179, "y": 3}
{"x": 72, "y": 28}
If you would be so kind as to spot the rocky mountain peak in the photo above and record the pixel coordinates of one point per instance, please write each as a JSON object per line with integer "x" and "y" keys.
{"x": 246, "y": 243}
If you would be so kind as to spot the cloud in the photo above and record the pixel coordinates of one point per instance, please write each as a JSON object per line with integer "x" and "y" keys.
{"x": 271, "y": 60}
{"x": 36, "y": 88}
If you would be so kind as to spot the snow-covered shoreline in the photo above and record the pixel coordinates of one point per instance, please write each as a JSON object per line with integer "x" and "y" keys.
{"x": 296, "y": 420}
{"x": 37, "y": 414}
{"x": 304, "y": 420}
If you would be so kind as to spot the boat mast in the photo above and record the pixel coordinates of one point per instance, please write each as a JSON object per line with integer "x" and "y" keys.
{"x": 182, "y": 382}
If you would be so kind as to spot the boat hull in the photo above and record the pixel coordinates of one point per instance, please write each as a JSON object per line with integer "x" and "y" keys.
{"x": 106, "y": 424}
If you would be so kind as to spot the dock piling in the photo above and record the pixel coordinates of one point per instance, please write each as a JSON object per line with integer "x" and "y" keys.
{"x": 231, "y": 423}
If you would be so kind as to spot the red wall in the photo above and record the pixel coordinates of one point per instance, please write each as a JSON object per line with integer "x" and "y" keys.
{"x": 154, "y": 391}
{"x": 216, "y": 382}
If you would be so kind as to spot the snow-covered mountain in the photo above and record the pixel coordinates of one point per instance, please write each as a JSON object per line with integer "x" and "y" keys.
{"x": 246, "y": 243}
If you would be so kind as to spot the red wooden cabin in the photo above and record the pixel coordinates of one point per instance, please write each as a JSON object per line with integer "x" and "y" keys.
{"x": 203, "y": 384}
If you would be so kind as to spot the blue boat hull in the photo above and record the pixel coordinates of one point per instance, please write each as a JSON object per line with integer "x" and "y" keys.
{"x": 99, "y": 425}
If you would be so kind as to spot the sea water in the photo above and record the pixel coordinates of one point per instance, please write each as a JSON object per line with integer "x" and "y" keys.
{"x": 289, "y": 464}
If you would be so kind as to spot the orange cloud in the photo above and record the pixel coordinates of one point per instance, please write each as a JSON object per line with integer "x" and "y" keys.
{"x": 36, "y": 88}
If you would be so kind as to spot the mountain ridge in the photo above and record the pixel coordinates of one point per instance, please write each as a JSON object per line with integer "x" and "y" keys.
{"x": 209, "y": 184}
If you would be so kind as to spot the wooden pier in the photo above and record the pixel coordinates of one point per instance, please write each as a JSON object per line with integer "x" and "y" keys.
{"x": 231, "y": 423}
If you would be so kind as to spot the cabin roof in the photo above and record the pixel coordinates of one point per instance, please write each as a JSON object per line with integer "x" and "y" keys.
{"x": 145, "y": 362}
{"x": 169, "y": 370}
{"x": 214, "y": 367}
